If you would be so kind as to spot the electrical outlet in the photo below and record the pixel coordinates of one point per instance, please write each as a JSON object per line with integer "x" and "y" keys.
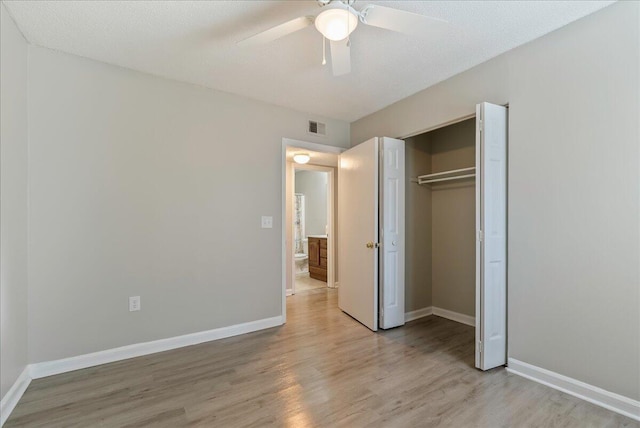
{"x": 267, "y": 222}
{"x": 134, "y": 303}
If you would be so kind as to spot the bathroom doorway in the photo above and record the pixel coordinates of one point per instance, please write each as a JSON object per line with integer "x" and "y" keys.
{"x": 309, "y": 223}
{"x": 311, "y": 205}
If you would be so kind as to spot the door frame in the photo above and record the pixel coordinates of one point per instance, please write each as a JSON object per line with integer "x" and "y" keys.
{"x": 441, "y": 125}
{"x": 287, "y": 246}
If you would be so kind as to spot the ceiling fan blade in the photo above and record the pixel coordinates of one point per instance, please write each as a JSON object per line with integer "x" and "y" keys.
{"x": 278, "y": 31}
{"x": 340, "y": 58}
{"x": 402, "y": 21}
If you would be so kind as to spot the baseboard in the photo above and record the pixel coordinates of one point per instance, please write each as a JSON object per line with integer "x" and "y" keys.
{"x": 598, "y": 396}
{"x": 418, "y": 313}
{"x": 444, "y": 313}
{"x": 13, "y": 395}
{"x": 454, "y": 316}
{"x": 50, "y": 368}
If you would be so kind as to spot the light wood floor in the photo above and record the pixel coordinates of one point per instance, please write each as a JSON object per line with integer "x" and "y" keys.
{"x": 322, "y": 369}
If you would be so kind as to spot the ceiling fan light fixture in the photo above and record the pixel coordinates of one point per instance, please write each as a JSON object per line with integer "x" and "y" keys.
{"x": 301, "y": 158}
{"x": 336, "y": 23}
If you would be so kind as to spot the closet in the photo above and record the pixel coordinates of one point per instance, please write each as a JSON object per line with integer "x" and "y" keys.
{"x": 441, "y": 221}
{"x": 424, "y": 229}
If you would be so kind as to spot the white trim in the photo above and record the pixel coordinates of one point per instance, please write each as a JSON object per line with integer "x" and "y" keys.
{"x": 440, "y": 125}
{"x": 283, "y": 222}
{"x": 49, "y": 368}
{"x": 418, "y": 313}
{"x": 314, "y": 147}
{"x": 13, "y": 395}
{"x": 443, "y": 313}
{"x": 454, "y": 316}
{"x": 598, "y": 396}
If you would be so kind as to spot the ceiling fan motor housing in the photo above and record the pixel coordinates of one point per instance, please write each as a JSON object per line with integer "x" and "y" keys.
{"x": 326, "y": 2}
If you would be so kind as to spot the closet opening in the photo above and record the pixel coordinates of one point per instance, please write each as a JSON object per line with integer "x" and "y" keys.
{"x": 441, "y": 228}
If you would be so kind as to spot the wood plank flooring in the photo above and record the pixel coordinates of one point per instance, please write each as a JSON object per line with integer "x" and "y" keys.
{"x": 322, "y": 369}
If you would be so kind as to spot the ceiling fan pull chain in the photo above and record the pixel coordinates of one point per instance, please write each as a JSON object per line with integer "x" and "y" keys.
{"x": 348, "y": 29}
{"x": 324, "y": 50}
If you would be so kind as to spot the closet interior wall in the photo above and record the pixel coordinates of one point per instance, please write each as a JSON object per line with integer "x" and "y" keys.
{"x": 418, "y": 287}
{"x": 440, "y": 221}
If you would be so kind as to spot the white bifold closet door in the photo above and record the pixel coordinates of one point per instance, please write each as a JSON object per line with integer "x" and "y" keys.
{"x": 491, "y": 227}
{"x": 371, "y": 236}
{"x": 392, "y": 220}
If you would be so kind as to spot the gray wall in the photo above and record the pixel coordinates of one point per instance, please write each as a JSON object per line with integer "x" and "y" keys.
{"x": 13, "y": 202}
{"x": 418, "y": 289}
{"x": 574, "y": 187}
{"x": 139, "y": 186}
{"x": 313, "y": 184}
{"x": 453, "y": 220}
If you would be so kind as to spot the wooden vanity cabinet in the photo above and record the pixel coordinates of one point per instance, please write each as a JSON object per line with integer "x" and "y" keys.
{"x": 318, "y": 258}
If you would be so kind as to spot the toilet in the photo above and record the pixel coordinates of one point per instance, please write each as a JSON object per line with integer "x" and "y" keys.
{"x": 302, "y": 260}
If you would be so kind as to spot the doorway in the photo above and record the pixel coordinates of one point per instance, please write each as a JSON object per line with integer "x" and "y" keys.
{"x": 312, "y": 205}
{"x": 318, "y": 258}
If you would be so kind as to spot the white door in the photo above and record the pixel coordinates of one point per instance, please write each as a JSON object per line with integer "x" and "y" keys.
{"x": 491, "y": 227}
{"x": 358, "y": 234}
{"x": 392, "y": 181}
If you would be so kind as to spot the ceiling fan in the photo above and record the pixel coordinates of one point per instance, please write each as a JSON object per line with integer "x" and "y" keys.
{"x": 338, "y": 19}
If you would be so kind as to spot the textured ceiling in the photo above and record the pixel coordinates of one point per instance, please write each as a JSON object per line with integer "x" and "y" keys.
{"x": 195, "y": 41}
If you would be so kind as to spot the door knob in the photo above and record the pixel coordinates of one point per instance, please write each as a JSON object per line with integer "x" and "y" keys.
{"x": 373, "y": 244}
{"x": 369, "y": 244}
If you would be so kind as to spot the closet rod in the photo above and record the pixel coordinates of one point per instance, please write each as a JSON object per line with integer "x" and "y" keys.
{"x": 453, "y": 171}
{"x": 435, "y": 180}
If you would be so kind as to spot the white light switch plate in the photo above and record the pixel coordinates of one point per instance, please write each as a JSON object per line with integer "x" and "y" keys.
{"x": 134, "y": 303}
{"x": 267, "y": 222}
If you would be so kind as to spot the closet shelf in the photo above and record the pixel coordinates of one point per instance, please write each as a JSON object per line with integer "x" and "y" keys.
{"x": 454, "y": 174}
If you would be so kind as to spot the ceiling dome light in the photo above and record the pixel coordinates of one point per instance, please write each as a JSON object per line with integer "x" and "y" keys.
{"x": 336, "y": 23}
{"x": 301, "y": 158}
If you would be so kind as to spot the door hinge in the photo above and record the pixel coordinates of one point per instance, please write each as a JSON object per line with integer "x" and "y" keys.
{"x": 480, "y": 347}
{"x": 480, "y": 125}
{"x": 480, "y": 236}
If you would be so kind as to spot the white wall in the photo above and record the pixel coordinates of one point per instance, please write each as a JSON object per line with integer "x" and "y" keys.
{"x": 313, "y": 184}
{"x": 574, "y": 186}
{"x": 13, "y": 202}
{"x": 146, "y": 186}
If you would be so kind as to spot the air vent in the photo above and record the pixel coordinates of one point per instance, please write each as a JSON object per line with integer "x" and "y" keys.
{"x": 317, "y": 128}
